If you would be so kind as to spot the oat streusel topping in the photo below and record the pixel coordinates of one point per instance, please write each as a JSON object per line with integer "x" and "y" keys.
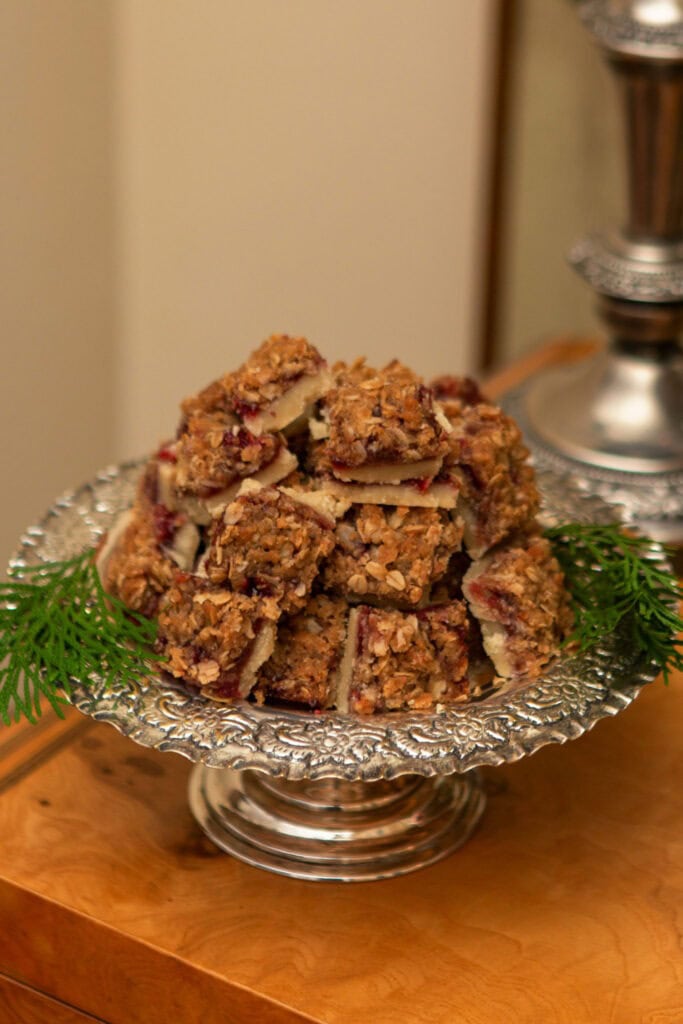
{"x": 391, "y": 554}
{"x": 499, "y": 493}
{"x": 207, "y": 633}
{"x": 267, "y": 543}
{"x": 517, "y": 593}
{"x": 215, "y": 450}
{"x": 307, "y": 655}
{"x": 409, "y": 661}
{"x": 381, "y": 420}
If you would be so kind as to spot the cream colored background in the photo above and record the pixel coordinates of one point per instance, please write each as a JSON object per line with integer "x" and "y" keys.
{"x": 183, "y": 177}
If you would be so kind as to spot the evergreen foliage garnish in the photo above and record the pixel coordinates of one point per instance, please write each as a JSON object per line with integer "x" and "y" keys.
{"x": 57, "y": 623}
{"x": 616, "y": 577}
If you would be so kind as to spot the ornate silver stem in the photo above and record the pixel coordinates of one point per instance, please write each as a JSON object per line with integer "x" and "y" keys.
{"x": 333, "y": 830}
{"x": 621, "y": 416}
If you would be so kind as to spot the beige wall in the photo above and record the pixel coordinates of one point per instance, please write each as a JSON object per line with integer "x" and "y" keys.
{"x": 311, "y": 166}
{"x": 563, "y": 175}
{"x": 56, "y": 273}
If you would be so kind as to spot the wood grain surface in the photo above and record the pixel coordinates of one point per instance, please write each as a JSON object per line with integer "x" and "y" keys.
{"x": 566, "y": 907}
{"x": 22, "y": 1005}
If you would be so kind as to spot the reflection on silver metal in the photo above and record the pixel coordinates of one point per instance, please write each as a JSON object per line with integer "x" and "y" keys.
{"x": 651, "y": 501}
{"x": 330, "y": 830}
{"x": 623, "y": 413}
{"x": 574, "y": 694}
{"x": 650, "y": 28}
{"x": 629, "y": 271}
{"x": 620, "y": 411}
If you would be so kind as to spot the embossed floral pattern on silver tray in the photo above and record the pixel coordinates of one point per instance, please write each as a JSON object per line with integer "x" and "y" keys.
{"x": 574, "y": 694}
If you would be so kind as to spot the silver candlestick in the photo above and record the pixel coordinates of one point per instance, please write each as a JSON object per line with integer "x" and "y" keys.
{"x": 616, "y": 422}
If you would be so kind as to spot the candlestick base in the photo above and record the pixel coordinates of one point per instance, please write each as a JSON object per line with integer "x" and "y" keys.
{"x": 614, "y": 425}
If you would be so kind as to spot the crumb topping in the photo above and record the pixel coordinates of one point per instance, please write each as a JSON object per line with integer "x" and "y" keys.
{"x": 391, "y": 554}
{"x": 267, "y": 543}
{"x": 402, "y": 659}
{"x": 208, "y": 633}
{"x": 307, "y": 655}
{"x": 518, "y": 595}
{"x": 215, "y": 450}
{"x": 381, "y": 420}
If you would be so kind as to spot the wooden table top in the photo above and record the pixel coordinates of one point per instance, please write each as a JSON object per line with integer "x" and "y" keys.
{"x": 565, "y": 907}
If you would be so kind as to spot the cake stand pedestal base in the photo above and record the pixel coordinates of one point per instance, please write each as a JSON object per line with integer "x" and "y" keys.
{"x": 333, "y": 830}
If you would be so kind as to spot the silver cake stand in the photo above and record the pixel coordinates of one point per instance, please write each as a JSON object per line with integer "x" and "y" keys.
{"x": 326, "y": 796}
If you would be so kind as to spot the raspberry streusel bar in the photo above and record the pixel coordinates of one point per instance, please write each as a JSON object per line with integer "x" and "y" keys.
{"x": 455, "y": 393}
{"x": 381, "y": 440}
{"x": 278, "y": 383}
{"x": 517, "y": 593}
{"x": 143, "y": 550}
{"x": 266, "y": 542}
{"x": 358, "y": 371}
{"x": 214, "y": 638}
{"x": 214, "y": 453}
{"x": 498, "y": 493}
{"x": 382, "y": 430}
{"x": 398, "y": 660}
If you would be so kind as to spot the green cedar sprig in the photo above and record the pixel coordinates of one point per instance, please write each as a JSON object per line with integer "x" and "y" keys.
{"x": 617, "y": 577}
{"x": 57, "y": 624}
